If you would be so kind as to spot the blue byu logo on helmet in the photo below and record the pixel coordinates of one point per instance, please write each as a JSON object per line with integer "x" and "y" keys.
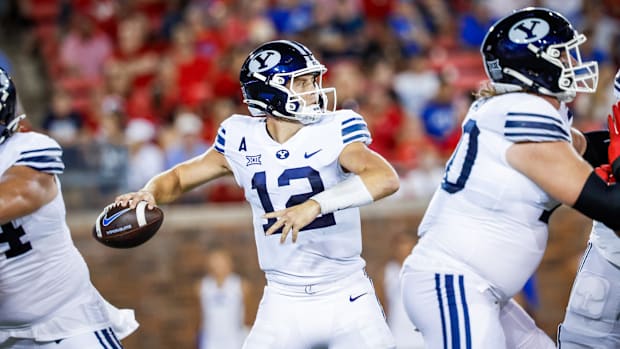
{"x": 528, "y": 30}
{"x": 264, "y": 60}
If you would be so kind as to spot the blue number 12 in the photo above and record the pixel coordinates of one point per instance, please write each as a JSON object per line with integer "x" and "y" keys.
{"x": 259, "y": 182}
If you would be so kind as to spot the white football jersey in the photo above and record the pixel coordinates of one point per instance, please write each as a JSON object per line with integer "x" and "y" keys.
{"x": 222, "y": 313}
{"x": 45, "y": 288}
{"x": 486, "y": 217}
{"x": 275, "y": 176}
{"x": 606, "y": 241}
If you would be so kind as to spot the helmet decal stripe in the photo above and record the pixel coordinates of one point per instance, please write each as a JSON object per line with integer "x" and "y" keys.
{"x": 304, "y": 51}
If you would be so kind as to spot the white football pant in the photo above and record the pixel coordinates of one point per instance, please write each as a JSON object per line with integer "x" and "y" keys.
{"x": 101, "y": 339}
{"x": 340, "y": 315}
{"x": 457, "y": 312}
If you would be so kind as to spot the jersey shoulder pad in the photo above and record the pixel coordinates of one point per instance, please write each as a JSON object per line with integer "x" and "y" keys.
{"x": 532, "y": 119}
{"x": 234, "y": 122}
{"x": 38, "y": 152}
{"x": 353, "y": 127}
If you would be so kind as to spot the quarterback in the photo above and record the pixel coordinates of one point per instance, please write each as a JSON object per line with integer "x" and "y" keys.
{"x": 305, "y": 169}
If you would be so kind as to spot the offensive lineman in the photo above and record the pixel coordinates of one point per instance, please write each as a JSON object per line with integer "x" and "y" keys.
{"x": 46, "y": 297}
{"x": 485, "y": 230}
{"x": 305, "y": 170}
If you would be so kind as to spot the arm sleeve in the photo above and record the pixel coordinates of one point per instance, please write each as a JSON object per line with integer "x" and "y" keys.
{"x": 44, "y": 155}
{"x": 354, "y": 129}
{"x": 600, "y": 201}
{"x": 220, "y": 139}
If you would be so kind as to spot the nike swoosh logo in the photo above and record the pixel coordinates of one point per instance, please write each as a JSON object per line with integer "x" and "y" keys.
{"x": 307, "y": 156}
{"x": 107, "y": 220}
{"x": 353, "y": 299}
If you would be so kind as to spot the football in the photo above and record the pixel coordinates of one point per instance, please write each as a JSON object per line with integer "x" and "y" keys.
{"x": 124, "y": 227}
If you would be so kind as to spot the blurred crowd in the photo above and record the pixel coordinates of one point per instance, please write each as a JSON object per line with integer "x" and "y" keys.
{"x": 138, "y": 86}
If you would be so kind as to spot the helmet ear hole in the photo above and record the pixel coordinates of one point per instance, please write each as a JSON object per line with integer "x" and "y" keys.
{"x": 292, "y": 106}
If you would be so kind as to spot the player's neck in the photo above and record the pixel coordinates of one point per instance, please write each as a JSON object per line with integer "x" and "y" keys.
{"x": 554, "y": 101}
{"x": 282, "y": 130}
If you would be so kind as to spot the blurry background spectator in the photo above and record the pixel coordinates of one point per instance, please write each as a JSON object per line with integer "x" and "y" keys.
{"x": 62, "y": 121}
{"x": 84, "y": 48}
{"x": 146, "y": 159}
{"x": 222, "y": 294}
{"x": 187, "y": 142}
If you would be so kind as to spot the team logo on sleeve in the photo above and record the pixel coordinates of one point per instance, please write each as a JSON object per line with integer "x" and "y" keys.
{"x": 253, "y": 160}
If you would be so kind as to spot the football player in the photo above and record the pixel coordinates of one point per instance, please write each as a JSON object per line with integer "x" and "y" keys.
{"x": 592, "y": 318}
{"x": 305, "y": 169}
{"x": 485, "y": 230}
{"x": 222, "y": 294}
{"x": 46, "y": 297}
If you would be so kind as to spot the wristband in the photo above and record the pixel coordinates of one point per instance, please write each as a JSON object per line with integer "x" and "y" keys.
{"x": 351, "y": 192}
{"x": 600, "y": 201}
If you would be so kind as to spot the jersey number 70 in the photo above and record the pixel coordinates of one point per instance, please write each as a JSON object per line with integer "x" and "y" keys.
{"x": 462, "y": 160}
{"x": 259, "y": 182}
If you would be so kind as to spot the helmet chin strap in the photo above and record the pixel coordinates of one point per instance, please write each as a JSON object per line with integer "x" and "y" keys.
{"x": 566, "y": 96}
{"x": 11, "y": 127}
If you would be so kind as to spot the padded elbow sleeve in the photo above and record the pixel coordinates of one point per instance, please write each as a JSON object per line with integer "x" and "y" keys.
{"x": 599, "y": 201}
{"x": 597, "y": 143}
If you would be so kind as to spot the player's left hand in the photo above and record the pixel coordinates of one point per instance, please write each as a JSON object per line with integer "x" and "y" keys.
{"x": 613, "y": 121}
{"x": 293, "y": 219}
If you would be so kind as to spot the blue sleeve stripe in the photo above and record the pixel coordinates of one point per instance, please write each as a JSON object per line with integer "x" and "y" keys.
{"x": 617, "y": 84}
{"x": 49, "y": 169}
{"x": 351, "y": 119}
{"x": 535, "y": 125}
{"x": 221, "y": 141}
{"x": 537, "y": 137}
{"x": 535, "y": 117}
{"x": 365, "y": 137}
{"x": 56, "y": 149}
{"x": 353, "y": 128}
{"x": 545, "y": 119}
{"x": 220, "y": 149}
{"x": 41, "y": 158}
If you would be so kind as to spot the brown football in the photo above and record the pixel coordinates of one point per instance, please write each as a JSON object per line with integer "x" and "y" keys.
{"x": 123, "y": 227}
